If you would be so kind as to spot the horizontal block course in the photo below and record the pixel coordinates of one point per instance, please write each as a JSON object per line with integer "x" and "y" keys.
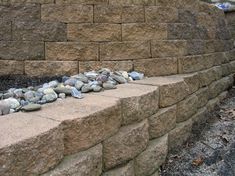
{"x": 5, "y": 30}
{"x": 64, "y": 51}
{"x": 94, "y": 32}
{"x": 67, "y": 13}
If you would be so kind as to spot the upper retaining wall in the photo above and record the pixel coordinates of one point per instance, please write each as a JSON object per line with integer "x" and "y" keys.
{"x": 156, "y": 37}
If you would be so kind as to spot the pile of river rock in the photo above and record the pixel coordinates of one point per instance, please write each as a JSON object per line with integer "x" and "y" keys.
{"x": 31, "y": 98}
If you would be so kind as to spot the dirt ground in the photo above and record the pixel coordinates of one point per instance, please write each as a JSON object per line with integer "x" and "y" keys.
{"x": 210, "y": 150}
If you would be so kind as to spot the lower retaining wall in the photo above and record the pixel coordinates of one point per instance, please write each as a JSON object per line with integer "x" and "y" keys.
{"x": 127, "y": 131}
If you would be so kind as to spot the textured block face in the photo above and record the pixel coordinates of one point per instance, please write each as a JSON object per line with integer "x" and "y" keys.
{"x": 162, "y": 122}
{"x": 133, "y": 14}
{"x": 94, "y": 32}
{"x": 31, "y": 150}
{"x": 168, "y": 48}
{"x": 20, "y": 50}
{"x": 5, "y": 30}
{"x": 82, "y": 2}
{"x": 124, "y": 50}
{"x": 203, "y": 96}
{"x": 22, "y": 12}
{"x": 37, "y": 31}
{"x": 49, "y": 68}
{"x": 127, "y": 170}
{"x": 107, "y": 14}
{"x": 132, "y": 2}
{"x": 88, "y": 162}
{"x": 180, "y": 134}
{"x": 67, "y": 13}
{"x": 11, "y": 67}
{"x": 180, "y": 31}
{"x": 64, "y": 51}
{"x": 142, "y": 31}
{"x": 127, "y": 144}
{"x": 186, "y": 108}
{"x": 156, "y": 14}
{"x": 113, "y": 65}
{"x": 165, "y": 66}
{"x": 153, "y": 157}
{"x": 7, "y": 2}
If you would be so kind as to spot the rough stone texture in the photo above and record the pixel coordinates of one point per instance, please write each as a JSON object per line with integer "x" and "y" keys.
{"x": 22, "y": 12}
{"x": 180, "y": 134}
{"x": 165, "y": 66}
{"x": 124, "y": 50}
{"x": 49, "y": 68}
{"x": 142, "y": 31}
{"x": 71, "y": 51}
{"x": 30, "y": 145}
{"x": 223, "y": 95}
{"x": 162, "y": 122}
{"x": 82, "y": 1}
{"x": 133, "y": 14}
{"x": 126, "y": 144}
{"x": 88, "y": 162}
{"x": 203, "y": 96}
{"x": 127, "y": 170}
{"x": 200, "y": 116}
{"x": 94, "y": 32}
{"x": 168, "y": 48}
{"x": 195, "y": 47}
{"x": 113, "y": 65}
{"x": 132, "y": 2}
{"x": 107, "y": 14}
{"x": 206, "y": 77}
{"x": 180, "y": 31}
{"x": 158, "y": 14}
{"x": 211, "y": 104}
{"x": 191, "y": 64}
{"x": 20, "y": 50}
{"x": 186, "y": 108}
{"x": 153, "y": 157}
{"x": 5, "y": 30}
{"x": 67, "y": 13}
{"x": 7, "y": 2}
{"x": 11, "y": 67}
{"x": 85, "y": 123}
{"x": 172, "y": 90}
{"x": 37, "y": 31}
{"x": 138, "y": 101}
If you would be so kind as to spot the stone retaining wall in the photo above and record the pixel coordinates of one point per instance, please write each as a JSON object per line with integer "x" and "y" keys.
{"x": 56, "y": 37}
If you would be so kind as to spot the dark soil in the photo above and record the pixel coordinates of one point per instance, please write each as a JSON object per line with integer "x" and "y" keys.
{"x": 22, "y": 81}
{"x": 211, "y": 149}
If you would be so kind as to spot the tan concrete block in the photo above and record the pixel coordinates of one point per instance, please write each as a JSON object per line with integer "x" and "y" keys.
{"x": 223, "y": 95}
{"x": 64, "y": 51}
{"x": 200, "y": 117}
{"x": 231, "y": 55}
{"x": 203, "y": 96}
{"x": 180, "y": 134}
{"x": 142, "y": 31}
{"x": 153, "y": 157}
{"x": 191, "y": 64}
{"x": 8, "y": 2}
{"x": 9, "y": 67}
{"x": 206, "y": 77}
{"x": 125, "y": 50}
{"x": 160, "y": 14}
{"x": 209, "y": 46}
{"x": 127, "y": 170}
{"x": 49, "y": 68}
{"x": 132, "y": 2}
{"x": 162, "y": 122}
{"x": 88, "y": 162}
{"x": 30, "y": 144}
{"x": 187, "y": 4}
{"x": 166, "y": 66}
{"x": 133, "y": 14}
{"x": 67, "y": 13}
{"x": 172, "y": 89}
{"x": 113, "y": 65}
{"x": 107, "y": 14}
{"x": 5, "y": 29}
{"x": 138, "y": 101}
{"x": 180, "y": 31}
{"x": 94, "y": 32}
{"x": 86, "y": 122}
{"x": 186, "y": 108}
{"x": 232, "y": 67}
{"x": 226, "y": 69}
{"x": 195, "y": 47}
{"x": 82, "y": 2}
{"x": 125, "y": 145}
{"x": 212, "y": 104}
{"x": 168, "y": 48}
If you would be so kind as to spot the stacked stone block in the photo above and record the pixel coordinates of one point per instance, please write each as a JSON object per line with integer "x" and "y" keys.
{"x": 57, "y": 37}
